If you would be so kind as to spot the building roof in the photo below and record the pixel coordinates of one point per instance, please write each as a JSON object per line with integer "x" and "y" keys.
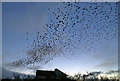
{"x": 60, "y": 71}
{"x": 43, "y": 72}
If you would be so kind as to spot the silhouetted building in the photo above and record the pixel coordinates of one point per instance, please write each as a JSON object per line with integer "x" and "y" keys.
{"x": 56, "y": 74}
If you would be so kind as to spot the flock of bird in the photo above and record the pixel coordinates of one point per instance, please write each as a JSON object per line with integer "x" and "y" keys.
{"x": 73, "y": 26}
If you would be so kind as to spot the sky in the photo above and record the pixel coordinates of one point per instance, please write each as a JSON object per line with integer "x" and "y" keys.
{"x": 20, "y": 18}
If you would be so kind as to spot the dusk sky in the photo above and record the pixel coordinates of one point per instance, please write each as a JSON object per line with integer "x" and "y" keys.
{"x": 20, "y": 18}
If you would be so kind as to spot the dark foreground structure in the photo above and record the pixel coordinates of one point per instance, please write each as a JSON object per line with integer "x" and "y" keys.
{"x": 43, "y": 75}
{"x": 56, "y": 74}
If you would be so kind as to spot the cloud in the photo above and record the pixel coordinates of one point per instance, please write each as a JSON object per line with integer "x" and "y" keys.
{"x": 6, "y": 73}
{"x": 112, "y": 71}
{"x": 10, "y": 74}
{"x": 108, "y": 63}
